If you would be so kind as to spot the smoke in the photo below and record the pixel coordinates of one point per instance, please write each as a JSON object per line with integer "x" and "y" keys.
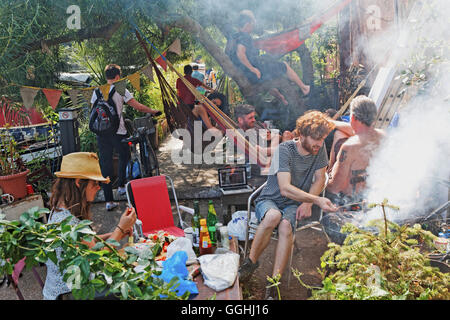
{"x": 409, "y": 163}
{"x": 414, "y": 158}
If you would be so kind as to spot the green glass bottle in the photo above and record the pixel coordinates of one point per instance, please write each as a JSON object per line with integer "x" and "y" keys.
{"x": 195, "y": 223}
{"x": 211, "y": 221}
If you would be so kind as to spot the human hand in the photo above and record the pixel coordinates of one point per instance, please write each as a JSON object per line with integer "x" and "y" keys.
{"x": 304, "y": 211}
{"x": 287, "y": 135}
{"x": 326, "y": 204}
{"x": 128, "y": 219}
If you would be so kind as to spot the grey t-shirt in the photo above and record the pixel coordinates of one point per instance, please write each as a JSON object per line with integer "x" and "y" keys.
{"x": 286, "y": 158}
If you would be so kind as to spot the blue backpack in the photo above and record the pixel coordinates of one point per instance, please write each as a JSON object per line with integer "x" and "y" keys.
{"x": 104, "y": 119}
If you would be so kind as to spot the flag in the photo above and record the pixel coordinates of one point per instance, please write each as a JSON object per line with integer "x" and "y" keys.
{"x": 73, "y": 93}
{"x": 104, "y": 89}
{"x": 53, "y": 96}
{"x": 120, "y": 86}
{"x": 135, "y": 80}
{"x": 87, "y": 94}
{"x": 148, "y": 71}
{"x": 28, "y": 94}
{"x": 161, "y": 61}
{"x": 175, "y": 47}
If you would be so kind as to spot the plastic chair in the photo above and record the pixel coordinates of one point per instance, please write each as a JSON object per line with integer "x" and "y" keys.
{"x": 150, "y": 197}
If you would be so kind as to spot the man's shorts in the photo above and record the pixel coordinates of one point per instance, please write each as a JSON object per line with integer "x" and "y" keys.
{"x": 289, "y": 212}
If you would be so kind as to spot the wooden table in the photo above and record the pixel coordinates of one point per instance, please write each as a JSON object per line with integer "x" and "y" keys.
{"x": 232, "y": 293}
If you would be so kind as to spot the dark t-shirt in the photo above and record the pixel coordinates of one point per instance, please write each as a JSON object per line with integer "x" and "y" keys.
{"x": 269, "y": 67}
{"x": 184, "y": 93}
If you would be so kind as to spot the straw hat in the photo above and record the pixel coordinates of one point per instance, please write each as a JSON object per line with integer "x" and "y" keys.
{"x": 82, "y": 165}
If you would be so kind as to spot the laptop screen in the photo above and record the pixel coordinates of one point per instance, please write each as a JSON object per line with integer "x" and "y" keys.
{"x": 231, "y": 177}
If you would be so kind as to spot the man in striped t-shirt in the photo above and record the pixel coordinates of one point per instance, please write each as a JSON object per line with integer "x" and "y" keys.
{"x": 296, "y": 178}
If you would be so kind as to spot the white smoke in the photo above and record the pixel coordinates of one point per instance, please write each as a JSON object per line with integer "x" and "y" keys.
{"x": 409, "y": 163}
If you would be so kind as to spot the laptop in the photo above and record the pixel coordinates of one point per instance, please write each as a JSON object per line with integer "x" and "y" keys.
{"x": 233, "y": 180}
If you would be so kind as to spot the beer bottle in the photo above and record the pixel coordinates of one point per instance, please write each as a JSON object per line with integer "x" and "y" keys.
{"x": 211, "y": 221}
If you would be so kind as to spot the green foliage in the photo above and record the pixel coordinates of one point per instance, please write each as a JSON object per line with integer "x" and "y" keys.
{"x": 380, "y": 267}
{"x": 9, "y": 153}
{"x": 323, "y": 45}
{"x": 87, "y": 269}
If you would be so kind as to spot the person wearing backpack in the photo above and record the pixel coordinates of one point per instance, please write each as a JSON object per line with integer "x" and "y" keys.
{"x": 110, "y": 138}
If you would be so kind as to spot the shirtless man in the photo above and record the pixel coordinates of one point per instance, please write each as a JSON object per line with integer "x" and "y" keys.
{"x": 348, "y": 175}
{"x": 349, "y": 172}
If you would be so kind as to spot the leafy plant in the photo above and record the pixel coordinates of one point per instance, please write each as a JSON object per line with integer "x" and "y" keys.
{"x": 10, "y": 161}
{"x": 129, "y": 275}
{"x": 380, "y": 267}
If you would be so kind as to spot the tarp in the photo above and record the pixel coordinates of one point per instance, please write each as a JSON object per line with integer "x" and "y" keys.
{"x": 288, "y": 41}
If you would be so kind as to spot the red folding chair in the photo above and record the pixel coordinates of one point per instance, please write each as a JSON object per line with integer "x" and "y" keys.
{"x": 150, "y": 197}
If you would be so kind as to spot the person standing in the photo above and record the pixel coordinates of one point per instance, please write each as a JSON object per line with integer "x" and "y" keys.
{"x": 184, "y": 93}
{"x": 199, "y": 76}
{"x": 107, "y": 144}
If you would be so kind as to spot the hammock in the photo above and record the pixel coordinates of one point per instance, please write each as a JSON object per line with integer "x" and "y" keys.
{"x": 179, "y": 115}
{"x": 287, "y": 41}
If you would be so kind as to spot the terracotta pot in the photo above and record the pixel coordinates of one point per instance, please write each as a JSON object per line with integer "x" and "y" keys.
{"x": 15, "y": 184}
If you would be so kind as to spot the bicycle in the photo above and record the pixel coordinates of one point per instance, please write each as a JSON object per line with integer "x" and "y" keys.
{"x": 142, "y": 147}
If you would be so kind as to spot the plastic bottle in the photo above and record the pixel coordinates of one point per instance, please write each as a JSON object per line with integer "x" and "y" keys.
{"x": 224, "y": 237}
{"x": 211, "y": 221}
{"x": 195, "y": 223}
{"x": 205, "y": 241}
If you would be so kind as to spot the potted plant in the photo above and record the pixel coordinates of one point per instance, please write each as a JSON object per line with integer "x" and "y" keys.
{"x": 13, "y": 174}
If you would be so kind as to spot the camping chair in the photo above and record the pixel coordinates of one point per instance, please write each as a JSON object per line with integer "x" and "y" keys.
{"x": 150, "y": 197}
{"x": 14, "y": 277}
{"x": 251, "y": 230}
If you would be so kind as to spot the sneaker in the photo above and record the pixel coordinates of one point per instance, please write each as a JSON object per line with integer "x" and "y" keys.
{"x": 271, "y": 292}
{"x": 111, "y": 206}
{"x": 121, "y": 191}
{"x": 246, "y": 269}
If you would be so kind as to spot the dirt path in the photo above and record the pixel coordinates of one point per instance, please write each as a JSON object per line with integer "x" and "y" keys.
{"x": 310, "y": 246}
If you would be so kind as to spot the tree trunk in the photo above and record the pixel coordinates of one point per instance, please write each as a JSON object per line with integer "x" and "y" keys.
{"x": 254, "y": 93}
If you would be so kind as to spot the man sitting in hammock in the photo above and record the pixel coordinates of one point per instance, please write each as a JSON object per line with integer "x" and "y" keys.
{"x": 258, "y": 68}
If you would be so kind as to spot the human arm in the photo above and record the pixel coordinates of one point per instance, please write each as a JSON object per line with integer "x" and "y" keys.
{"x": 140, "y": 107}
{"x": 344, "y": 127}
{"x": 340, "y": 174}
{"x": 304, "y": 210}
{"x": 242, "y": 56}
{"x": 124, "y": 228}
{"x": 289, "y": 191}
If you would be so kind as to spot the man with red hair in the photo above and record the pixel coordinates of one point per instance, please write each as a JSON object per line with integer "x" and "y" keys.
{"x": 296, "y": 178}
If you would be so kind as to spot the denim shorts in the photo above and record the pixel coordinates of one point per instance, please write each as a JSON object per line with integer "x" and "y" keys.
{"x": 289, "y": 212}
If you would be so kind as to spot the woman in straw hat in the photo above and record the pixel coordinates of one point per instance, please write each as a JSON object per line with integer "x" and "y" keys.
{"x": 73, "y": 191}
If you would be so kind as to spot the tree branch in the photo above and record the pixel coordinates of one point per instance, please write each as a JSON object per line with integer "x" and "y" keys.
{"x": 105, "y": 32}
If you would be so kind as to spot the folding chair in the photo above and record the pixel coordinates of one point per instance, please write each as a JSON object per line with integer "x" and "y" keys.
{"x": 150, "y": 197}
{"x": 252, "y": 230}
{"x": 14, "y": 278}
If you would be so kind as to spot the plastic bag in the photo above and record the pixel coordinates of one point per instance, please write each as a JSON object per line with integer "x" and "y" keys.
{"x": 237, "y": 227}
{"x": 182, "y": 244}
{"x": 219, "y": 270}
{"x": 175, "y": 266}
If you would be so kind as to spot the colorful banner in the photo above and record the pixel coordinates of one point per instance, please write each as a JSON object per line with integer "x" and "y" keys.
{"x": 28, "y": 94}
{"x": 53, "y": 96}
{"x": 135, "y": 80}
